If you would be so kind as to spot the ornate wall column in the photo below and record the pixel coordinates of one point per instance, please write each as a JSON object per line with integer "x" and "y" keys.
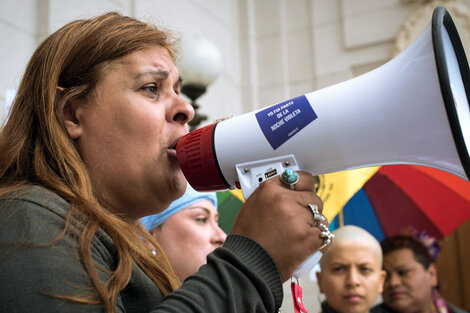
{"x": 415, "y": 24}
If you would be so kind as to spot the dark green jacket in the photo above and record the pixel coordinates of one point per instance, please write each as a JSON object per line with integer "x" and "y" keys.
{"x": 239, "y": 277}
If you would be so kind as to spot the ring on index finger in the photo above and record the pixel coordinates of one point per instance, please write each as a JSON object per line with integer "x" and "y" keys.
{"x": 290, "y": 178}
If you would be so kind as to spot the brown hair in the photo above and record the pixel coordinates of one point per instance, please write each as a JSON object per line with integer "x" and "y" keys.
{"x": 420, "y": 251}
{"x": 36, "y": 149}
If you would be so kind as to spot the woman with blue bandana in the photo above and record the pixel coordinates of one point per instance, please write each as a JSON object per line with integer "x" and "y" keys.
{"x": 187, "y": 231}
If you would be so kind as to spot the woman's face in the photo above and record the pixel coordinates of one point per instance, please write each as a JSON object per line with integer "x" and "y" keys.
{"x": 188, "y": 236}
{"x": 351, "y": 277}
{"x": 127, "y": 129}
{"x": 408, "y": 286}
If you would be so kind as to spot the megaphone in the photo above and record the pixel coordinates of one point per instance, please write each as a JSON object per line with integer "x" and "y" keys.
{"x": 412, "y": 110}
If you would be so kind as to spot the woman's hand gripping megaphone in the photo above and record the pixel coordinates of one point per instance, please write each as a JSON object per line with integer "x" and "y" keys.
{"x": 278, "y": 218}
{"x": 281, "y": 220}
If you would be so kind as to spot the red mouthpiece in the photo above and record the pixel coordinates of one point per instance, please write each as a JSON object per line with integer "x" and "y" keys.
{"x": 197, "y": 159}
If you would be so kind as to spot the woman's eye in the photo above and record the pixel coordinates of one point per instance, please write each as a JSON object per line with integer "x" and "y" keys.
{"x": 202, "y": 220}
{"x": 403, "y": 272}
{"x": 150, "y": 88}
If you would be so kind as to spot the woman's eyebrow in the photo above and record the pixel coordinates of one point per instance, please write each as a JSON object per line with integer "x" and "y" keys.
{"x": 200, "y": 208}
{"x": 365, "y": 264}
{"x": 158, "y": 74}
{"x": 336, "y": 263}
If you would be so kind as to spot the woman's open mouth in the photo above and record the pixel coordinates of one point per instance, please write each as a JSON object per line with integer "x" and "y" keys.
{"x": 172, "y": 148}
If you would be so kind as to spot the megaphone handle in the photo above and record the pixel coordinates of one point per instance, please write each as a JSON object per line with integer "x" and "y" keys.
{"x": 308, "y": 264}
{"x": 296, "y": 290}
{"x": 249, "y": 175}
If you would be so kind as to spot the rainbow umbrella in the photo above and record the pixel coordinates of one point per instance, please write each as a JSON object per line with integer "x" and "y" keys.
{"x": 399, "y": 197}
{"x": 229, "y": 204}
{"x": 335, "y": 189}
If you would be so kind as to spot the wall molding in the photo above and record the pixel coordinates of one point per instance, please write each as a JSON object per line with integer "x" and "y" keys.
{"x": 415, "y": 24}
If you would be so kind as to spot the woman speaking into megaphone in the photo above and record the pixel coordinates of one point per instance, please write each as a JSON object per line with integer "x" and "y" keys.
{"x": 88, "y": 149}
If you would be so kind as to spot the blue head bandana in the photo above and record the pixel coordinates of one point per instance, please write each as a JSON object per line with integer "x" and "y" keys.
{"x": 190, "y": 196}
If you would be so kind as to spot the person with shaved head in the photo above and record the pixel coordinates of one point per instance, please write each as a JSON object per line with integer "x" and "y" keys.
{"x": 351, "y": 275}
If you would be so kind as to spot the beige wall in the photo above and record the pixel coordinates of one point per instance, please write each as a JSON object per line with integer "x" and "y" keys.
{"x": 23, "y": 23}
{"x": 272, "y": 49}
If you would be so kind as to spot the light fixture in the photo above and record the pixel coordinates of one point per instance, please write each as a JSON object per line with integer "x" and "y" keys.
{"x": 199, "y": 66}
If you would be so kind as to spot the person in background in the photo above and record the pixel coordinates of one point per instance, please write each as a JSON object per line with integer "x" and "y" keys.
{"x": 89, "y": 149}
{"x": 411, "y": 283}
{"x": 351, "y": 275}
{"x": 187, "y": 231}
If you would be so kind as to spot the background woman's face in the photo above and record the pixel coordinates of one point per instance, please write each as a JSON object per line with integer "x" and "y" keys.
{"x": 127, "y": 131}
{"x": 189, "y": 235}
{"x": 408, "y": 286}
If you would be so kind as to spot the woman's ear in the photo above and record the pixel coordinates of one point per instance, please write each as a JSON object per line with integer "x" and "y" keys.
{"x": 69, "y": 116}
{"x": 432, "y": 270}
{"x": 320, "y": 281}
{"x": 382, "y": 276}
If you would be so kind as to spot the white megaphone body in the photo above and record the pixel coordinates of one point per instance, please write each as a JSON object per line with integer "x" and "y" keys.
{"x": 412, "y": 110}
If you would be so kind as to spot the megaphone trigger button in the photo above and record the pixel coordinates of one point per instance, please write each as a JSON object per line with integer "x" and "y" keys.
{"x": 290, "y": 178}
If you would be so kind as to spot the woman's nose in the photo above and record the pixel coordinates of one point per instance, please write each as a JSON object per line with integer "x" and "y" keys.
{"x": 219, "y": 235}
{"x": 181, "y": 111}
{"x": 392, "y": 280}
{"x": 353, "y": 277}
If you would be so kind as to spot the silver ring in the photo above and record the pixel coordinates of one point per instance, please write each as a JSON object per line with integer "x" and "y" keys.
{"x": 314, "y": 208}
{"x": 317, "y": 216}
{"x": 327, "y": 238}
{"x": 325, "y": 234}
{"x": 325, "y": 243}
{"x": 290, "y": 178}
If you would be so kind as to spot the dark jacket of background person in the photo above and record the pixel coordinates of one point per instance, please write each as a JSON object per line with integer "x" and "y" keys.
{"x": 383, "y": 308}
